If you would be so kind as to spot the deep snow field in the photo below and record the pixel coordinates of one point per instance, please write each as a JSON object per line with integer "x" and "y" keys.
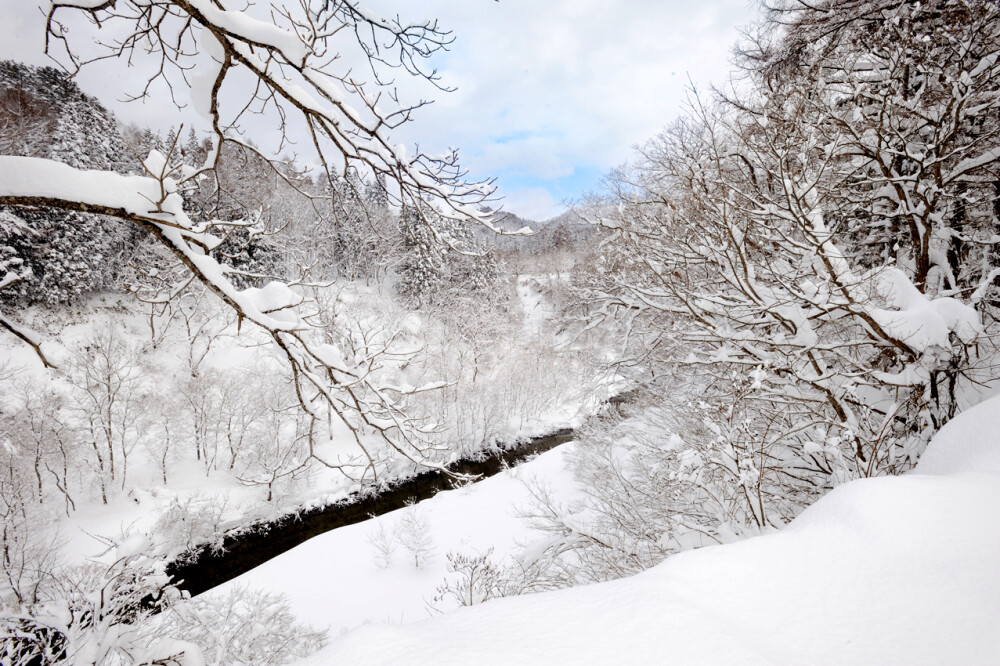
{"x": 900, "y": 570}
{"x": 897, "y": 570}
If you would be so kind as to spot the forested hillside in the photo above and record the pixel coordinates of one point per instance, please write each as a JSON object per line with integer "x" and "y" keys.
{"x": 215, "y": 328}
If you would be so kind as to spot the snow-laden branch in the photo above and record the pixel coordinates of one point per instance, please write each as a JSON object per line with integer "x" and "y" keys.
{"x": 296, "y": 57}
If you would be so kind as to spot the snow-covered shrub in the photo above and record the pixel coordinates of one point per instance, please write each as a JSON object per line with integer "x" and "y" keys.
{"x": 476, "y": 579}
{"x": 243, "y": 626}
{"x": 189, "y": 523}
{"x": 645, "y": 493}
{"x": 383, "y": 543}
{"x": 90, "y": 614}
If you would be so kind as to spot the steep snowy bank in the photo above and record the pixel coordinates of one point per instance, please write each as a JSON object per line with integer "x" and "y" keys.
{"x": 888, "y": 570}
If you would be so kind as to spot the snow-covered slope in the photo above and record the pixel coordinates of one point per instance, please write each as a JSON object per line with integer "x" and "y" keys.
{"x": 340, "y": 580}
{"x": 901, "y": 570}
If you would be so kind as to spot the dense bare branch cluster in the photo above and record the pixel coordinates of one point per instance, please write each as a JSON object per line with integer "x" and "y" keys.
{"x": 813, "y": 251}
{"x": 299, "y": 61}
{"x": 296, "y": 64}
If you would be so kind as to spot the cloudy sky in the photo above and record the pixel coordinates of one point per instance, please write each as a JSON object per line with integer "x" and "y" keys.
{"x": 550, "y": 93}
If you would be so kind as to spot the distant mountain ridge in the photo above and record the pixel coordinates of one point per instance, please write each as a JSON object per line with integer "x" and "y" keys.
{"x": 566, "y": 228}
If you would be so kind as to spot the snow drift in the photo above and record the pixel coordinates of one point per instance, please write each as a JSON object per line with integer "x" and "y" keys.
{"x": 888, "y": 570}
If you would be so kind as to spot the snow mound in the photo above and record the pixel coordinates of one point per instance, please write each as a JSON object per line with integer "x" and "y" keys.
{"x": 968, "y": 443}
{"x": 893, "y": 570}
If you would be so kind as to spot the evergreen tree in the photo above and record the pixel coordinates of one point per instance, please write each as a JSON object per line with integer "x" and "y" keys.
{"x": 420, "y": 275}
{"x": 441, "y": 262}
{"x": 71, "y": 253}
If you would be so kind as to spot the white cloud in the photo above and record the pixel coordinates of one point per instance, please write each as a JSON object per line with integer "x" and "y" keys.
{"x": 533, "y": 203}
{"x": 22, "y": 35}
{"x": 545, "y": 88}
{"x": 533, "y": 156}
{"x": 599, "y": 76}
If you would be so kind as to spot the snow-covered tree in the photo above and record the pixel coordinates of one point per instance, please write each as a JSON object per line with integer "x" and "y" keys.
{"x": 903, "y": 97}
{"x": 441, "y": 262}
{"x": 803, "y": 267}
{"x": 105, "y": 374}
{"x": 422, "y": 273}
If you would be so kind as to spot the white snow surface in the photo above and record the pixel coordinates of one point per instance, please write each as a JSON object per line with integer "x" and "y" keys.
{"x": 919, "y": 321}
{"x": 969, "y": 443}
{"x": 334, "y": 581}
{"x": 899, "y": 570}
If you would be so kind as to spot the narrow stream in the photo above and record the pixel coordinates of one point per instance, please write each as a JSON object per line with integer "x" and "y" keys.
{"x": 203, "y": 568}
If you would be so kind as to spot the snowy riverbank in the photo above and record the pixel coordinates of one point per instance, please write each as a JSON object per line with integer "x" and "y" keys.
{"x": 890, "y": 570}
